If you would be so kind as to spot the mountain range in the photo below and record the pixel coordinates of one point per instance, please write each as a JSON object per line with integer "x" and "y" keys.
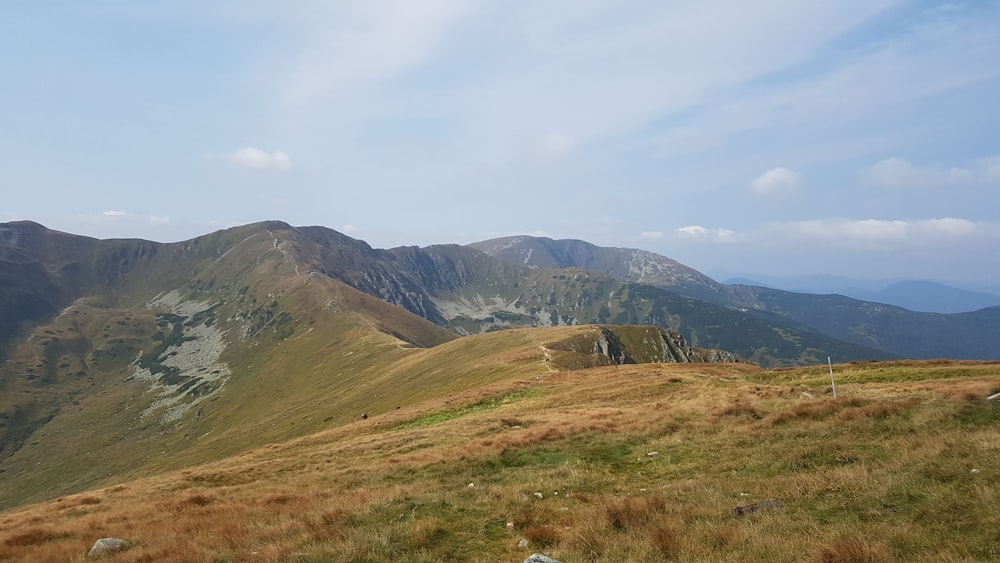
{"x": 889, "y": 328}
{"x": 154, "y": 356}
{"x": 916, "y": 295}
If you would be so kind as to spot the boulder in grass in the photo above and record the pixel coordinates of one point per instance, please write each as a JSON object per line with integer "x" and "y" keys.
{"x": 539, "y": 558}
{"x": 751, "y": 508}
{"x": 107, "y": 546}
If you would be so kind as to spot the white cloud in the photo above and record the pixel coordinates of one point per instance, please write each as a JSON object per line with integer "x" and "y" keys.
{"x": 900, "y": 173}
{"x": 349, "y": 229}
{"x": 252, "y": 157}
{"x": 699, "y": 233}
{"x": 777, "y": 181}
{"x": 651, "y": 235}
{"x": 114, "y": 213}
{"x": 883, "y": 231}
{"x": 157, "y": 221}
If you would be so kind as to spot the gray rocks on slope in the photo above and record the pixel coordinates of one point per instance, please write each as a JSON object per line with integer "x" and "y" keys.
{"x": 107, "y": 546}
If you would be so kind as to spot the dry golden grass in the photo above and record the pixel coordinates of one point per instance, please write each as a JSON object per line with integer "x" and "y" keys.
{"x": 636, "y": 463}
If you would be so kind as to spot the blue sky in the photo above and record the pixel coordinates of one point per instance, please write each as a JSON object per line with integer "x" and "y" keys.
{"x": 851, "y": 137}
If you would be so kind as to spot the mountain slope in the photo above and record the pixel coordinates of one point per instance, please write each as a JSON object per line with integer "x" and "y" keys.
{"x": 155, "y": 356}
{"x": 470, "y": 292}
{"x": 921, "y": 335}
{"x": 874, "y": 325}
{"x": 152, "y": 336}
{"x": 608, "y": 464}
{"x": 626, "y": 264}
{"x": 930, "y": 297}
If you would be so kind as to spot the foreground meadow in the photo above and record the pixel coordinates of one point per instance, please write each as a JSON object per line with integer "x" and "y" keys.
{"x": 622, "y": 463}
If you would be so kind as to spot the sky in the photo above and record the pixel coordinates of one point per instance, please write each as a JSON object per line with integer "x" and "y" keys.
{"x": 858, "y": 138}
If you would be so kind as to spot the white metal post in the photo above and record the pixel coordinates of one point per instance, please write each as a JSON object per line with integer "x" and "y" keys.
{"x": 832, "y": 382}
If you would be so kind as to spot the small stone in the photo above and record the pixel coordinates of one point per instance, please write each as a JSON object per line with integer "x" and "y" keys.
{"x": 539, "y": 558}
{"x": 651, "y": 454}
{"x": 510, "y": 525}
{"x": 642, "y": 490}
{"x": 522, "y": 544}
{"x": 994, "y": 397}
{"x": 472, "y": 485}
{"x": 107, "y": 546}
{"x": 539, "y": 495}
{"x": 751, "y": 508}
{"x": 744, "y": 494}
{"x": 973, "y": 471}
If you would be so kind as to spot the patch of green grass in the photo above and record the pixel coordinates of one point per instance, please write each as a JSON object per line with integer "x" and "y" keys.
{"x": 979, "y": 413}
{"x": 479, "y": 406}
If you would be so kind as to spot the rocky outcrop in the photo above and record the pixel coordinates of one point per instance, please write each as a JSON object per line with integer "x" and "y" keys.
{"x": 716, "y": 356}
{"x": 620, "y": 345}
{"x": 656, "y": 345}
{"x": 609, "y": 345}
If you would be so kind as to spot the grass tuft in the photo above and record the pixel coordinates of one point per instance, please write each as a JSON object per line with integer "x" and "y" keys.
{"x": 34, "y": 537}
{"x": 850, "y": 548}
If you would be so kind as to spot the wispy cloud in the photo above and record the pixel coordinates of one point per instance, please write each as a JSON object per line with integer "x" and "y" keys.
{"x": 942, "y": 52}
{"x": 850, "y": 231}
{"x": 704, "y": 234}
{"x": 876, "y": 233}
{"x": 777, "y": 181}
{"x": 353, "y": 45}
{"x": 114, "y": 213}
{"x": 252, "y": 157}
{"x": 651, "y": 235}
{"x": 900, "y": 173}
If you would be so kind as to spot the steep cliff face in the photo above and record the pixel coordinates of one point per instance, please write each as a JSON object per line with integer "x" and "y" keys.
{"x": 621, "y": 345}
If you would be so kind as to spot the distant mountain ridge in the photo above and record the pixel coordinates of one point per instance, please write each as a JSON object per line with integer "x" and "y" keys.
{"x": 876, "y": 325}
{"x": 634, "y": 265}
{"x": 916, "y": 295}
{"x": 929, "y": 296}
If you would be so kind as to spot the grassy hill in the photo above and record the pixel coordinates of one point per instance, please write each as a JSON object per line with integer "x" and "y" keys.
{"x": 637, "y": 463}
{"x": 228, "y": 375}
